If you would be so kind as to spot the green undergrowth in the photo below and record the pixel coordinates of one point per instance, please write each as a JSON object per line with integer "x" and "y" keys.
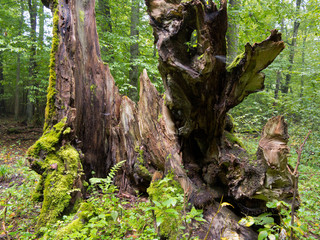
{"x": 18, "y": 213}
{"x": 105, "y": 215}
{"x": 308, "y": 222}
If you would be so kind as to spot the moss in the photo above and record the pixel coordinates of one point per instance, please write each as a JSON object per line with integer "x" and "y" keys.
{"x": 81, "y": 15}
{"x": 137, "y": 149}
{"x": 93, "y": 88}
{"x": 59, "y": 184}
{"x": 37, "y": 195}
{"x": 233, "y": 139}
{"x": 139, "y": 167}
{"x": 235, "y": 62}
{"x": 51, "y": 92}
{"x": 142, "y": 171}
{"x": 83, "y": 215}
{"x": 48, "y": 141}
{"x": 67, "y": 131}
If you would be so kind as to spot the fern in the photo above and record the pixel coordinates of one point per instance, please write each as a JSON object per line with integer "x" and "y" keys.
{"x": 105, "y": 183}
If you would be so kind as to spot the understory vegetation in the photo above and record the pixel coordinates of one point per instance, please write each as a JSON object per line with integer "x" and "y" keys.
{"x": 165, "y": 213}
{"x": 292, "y": 89}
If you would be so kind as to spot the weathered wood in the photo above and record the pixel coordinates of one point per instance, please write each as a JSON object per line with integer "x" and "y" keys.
{"x": 187, "y": 130}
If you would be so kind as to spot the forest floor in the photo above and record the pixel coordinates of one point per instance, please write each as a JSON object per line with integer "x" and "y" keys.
{"x": 18, "y": 213}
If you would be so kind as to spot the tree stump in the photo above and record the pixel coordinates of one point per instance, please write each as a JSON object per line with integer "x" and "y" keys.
{"x": 187, "y": 130}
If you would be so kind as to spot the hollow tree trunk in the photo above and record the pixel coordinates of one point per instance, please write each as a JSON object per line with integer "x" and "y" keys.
{"x": 89, "y": 126}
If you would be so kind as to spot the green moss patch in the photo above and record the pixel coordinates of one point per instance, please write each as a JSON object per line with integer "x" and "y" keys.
{"x": 50, "y": 106}
{"x": 59, "y": 183}
{"x": 48, "y": 141}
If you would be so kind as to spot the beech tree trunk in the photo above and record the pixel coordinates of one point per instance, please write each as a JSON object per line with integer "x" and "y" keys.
{"x": 2, "y": 103}
{"x": 134, "y": 49}
{"x": 89, "y": 126}
{"x": 296, "y": 25}
{"x": 32, "y": 7}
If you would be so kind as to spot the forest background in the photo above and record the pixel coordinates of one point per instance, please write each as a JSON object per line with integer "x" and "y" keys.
{"x": 291, "y": 87}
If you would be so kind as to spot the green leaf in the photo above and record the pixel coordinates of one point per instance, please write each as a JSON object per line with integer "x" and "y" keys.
{"x": 263, "y": 235}
{"x": 114, "y": 215}
{"x": 170, "y": 202}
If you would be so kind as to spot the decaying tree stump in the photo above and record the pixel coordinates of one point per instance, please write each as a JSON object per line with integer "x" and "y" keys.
{"x": 89, "y": 126}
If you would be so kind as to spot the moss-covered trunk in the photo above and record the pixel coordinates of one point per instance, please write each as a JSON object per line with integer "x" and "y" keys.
{"x": 90, "y": 127}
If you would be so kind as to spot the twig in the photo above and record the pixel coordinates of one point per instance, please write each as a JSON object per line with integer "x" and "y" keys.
{"x": 295, "y": 175}
{"x": 211, "y": 222}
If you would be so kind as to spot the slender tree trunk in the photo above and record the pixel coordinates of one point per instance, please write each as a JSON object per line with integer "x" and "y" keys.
{"x": 90, "y": 127}
{"x": 278, "y": 82}
{"x": 303, "y": 64}
{"x": 292, "y": 48}
{"x": 16, "y": 94}
{"x": 32, "y": 4}
{"x": 134, "y": 49}
{"x": 104, "y": 11}
{"x": 41, "y": 25}
{"x": 233, "y": 31}
{"x": 2, "y": 102}
{"x": 18, "y": 77}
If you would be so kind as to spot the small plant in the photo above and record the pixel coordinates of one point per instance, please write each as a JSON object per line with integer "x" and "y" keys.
{"x": 169, "y": 203}
{"x": 105, "y": 215}
{"x": 5, "y": 172}
{"x": 270, "y": 229}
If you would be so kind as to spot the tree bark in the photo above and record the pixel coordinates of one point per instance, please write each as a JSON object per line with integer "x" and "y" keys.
{"x": 41, "y": 24}
{"x": 16, "y": 98}
{"x": 292, "y": 48}
{"x": 186, "y": 131}
{"x": 134, "y": 50}
{"x": 278, "y": 82}
{"x": 2, "y": 102}
{"x": 303, "y": 64}
{"x": 32, "y": 4}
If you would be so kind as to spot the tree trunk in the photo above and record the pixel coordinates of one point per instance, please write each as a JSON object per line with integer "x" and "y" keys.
{"x": 233, "y": 31}
{"x": 104, "y": 11}
{"x": 41, "y": 25}
{"x": 32, "y": 4}
{"x": 303, "y": 64}
{"x": 16, "y": 93}
{"x": 292, "y": 48}
{"x": 278, "y": 82}
{"x": 2, "y": 102}
{"x": 134, "y": 50}
{"x": 186, "y": 131}
{"x": 16, "y": 98}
